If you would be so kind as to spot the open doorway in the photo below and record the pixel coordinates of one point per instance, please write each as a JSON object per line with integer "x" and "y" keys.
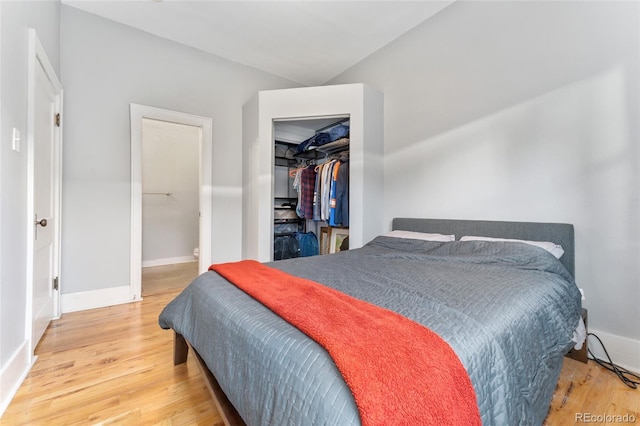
{"x": 170, "y": 205}
{"x": 166, "y": 235}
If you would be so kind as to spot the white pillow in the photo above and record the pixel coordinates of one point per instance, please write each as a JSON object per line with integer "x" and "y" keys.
{"x": 552, "y": 248}
{"x": 420, "y": 236}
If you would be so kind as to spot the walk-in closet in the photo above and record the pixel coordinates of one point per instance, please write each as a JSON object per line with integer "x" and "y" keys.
{"x": 311, "y": 186}
{"x": 293, "y": 141}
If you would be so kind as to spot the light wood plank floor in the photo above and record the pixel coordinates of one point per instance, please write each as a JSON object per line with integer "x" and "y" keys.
{"x": 113, "y": 366}
{"x": 158, "y": 279}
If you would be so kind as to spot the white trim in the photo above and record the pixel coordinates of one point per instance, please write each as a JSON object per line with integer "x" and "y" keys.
{"x": 168, "y": 261}
{"x": 13, "y": 374}
{"x": 36, "y": 55}
{"x": 83, "y": 300}
{"x": 2, "y": 386}
{"x": 624, "y": 352}
{"x": 31, "y": 70}
{"x": 138, "y": 112}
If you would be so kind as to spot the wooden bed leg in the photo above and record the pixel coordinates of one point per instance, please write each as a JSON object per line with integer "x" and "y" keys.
{"x": 228, "y": 413}
{"x": 180, "y": 349}
{"x": 230, "y": 416}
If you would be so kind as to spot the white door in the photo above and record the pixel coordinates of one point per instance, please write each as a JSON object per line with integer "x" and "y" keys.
{"x": 45, "y": 201}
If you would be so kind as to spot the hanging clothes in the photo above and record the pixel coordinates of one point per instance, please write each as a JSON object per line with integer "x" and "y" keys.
{"x": 307, "y": 187}
{"x": 341, "y": 211}
{"x": 327, "y": 177}
{"x": 324, "y": 192}
{"x": 317, "y": 194}
{"x": 332, "y": 196}
{"x": 296, "y": 185}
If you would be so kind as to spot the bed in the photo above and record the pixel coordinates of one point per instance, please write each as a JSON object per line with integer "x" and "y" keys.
{"x": 508, "y": 310}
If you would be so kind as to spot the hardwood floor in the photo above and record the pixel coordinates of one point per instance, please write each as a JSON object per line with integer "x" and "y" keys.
{"x": 587, "y": 391}
{"x": 113, "y": 366}
{"x": 158, "y": 279}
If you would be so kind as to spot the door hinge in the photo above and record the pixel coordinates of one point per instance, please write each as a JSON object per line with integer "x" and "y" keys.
{"x": 57, "y": 119}
{"x": 55, "y": 283}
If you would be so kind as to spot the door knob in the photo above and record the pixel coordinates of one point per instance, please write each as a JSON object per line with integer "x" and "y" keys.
{"x": 42, "y": 222}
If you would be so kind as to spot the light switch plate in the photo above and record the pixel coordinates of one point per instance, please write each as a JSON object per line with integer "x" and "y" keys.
{"x": 15, "y": 144}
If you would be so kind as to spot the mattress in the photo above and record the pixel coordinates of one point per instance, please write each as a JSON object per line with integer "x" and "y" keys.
{"x": 508, "y": 310}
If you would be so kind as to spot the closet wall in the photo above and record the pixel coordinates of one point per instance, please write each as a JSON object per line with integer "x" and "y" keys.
{"x": 364, "y": 107}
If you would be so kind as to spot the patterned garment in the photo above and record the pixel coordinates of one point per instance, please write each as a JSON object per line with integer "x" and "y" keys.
{"x": 307, "y": 187}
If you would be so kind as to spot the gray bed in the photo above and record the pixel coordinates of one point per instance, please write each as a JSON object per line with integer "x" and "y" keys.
{"x": 507, "y": 309}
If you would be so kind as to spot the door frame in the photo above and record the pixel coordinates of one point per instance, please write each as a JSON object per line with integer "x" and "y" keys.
{"x": 138, "y": 113}
{"x": 37, "y": 55}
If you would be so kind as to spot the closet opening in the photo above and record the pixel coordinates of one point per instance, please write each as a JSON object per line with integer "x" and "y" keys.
{"x": 311, "y": 186}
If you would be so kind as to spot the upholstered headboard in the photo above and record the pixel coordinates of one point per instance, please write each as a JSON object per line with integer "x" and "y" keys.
{"x": 559, "y": 233}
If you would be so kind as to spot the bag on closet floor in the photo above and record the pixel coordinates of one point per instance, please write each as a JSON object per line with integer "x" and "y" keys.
{"x": 285, "y": 247}
{"x": 308, "y": 242}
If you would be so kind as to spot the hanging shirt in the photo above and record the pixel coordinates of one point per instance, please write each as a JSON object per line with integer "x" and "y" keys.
{"x": 332, "y": 198}
{"x": 307, "y": 186}
{"x": 316, "y": 194}
{"x": 326, "y": 189}
{"x": 342, "y": 195}
{"x": 323, "y": 191}
{"x": 296, "y": 185}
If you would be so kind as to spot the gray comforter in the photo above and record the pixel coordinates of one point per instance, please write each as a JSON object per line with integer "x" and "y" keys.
{"x": 507, "y": 309}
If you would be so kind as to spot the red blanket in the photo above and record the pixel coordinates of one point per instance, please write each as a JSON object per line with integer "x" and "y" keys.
{"x": 400, "y": 372}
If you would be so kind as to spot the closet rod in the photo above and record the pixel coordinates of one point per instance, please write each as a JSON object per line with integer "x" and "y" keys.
{"x": 168, "y": 194}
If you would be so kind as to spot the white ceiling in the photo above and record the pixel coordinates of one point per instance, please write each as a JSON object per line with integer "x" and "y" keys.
{"x": 309, "y": 42}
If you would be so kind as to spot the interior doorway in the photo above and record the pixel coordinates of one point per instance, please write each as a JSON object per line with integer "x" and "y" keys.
{"x": 170, "y": 205}
{"x": 169, "y": 215}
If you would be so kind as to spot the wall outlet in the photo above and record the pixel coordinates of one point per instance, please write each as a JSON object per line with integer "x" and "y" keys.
{"x": 582, "y": 293}
{"x": 15, "y": 142}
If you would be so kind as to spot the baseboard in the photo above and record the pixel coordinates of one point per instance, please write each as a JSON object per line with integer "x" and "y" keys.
{"x": 168, "y": 261}
{"x": 624, "y": 352}
{"x": 13, "y": 374}
{"x": 83, "y": 300}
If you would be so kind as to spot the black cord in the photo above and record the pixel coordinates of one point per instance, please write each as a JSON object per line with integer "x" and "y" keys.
{"x": 622, "y": 373}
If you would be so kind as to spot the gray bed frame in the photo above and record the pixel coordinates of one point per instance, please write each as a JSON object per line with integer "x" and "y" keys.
{"x": 559, "y": 233}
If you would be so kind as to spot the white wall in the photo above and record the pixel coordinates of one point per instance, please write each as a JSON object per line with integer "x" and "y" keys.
{"x": 15, "y": 19}
{"x": 106, "y": 66}
{"x": 524, "y": 111}
{"x": 170, "y": 165}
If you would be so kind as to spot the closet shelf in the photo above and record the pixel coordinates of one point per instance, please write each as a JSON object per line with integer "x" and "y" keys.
{"x": 316, "y": 152}
{"x": 284, "y": 152}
